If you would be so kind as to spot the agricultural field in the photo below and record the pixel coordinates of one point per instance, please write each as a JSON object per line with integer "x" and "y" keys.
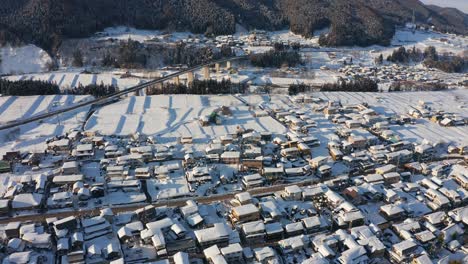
{"x": 170, "y": 116}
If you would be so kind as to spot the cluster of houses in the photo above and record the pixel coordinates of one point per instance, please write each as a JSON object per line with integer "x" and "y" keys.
{"x": 392, "y": 73}
{"x": 338, "y": 187}
{"x": 423, "y": 110}
{"x": 321, "y": 223}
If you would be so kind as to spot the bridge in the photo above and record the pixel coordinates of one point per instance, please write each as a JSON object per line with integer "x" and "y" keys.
{"x": 174, "y": 77}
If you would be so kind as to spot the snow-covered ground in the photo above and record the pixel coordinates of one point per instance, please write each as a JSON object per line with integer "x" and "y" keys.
{"x": 73, "y": 78}
{"x": 172, "y": 116}
{"x": 311, "y": 77}
{"x": 25, "y": 59}
{"x": 32, "y": 136}
{"x": 289, "y": 36}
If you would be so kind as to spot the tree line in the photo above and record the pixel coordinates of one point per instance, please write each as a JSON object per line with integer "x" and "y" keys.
{"x": 96, "y": 90}
{"x": 296, "y": 88}
{"x": 130, "y": 54}
{"x": 276, "y": 59}
{"x": 225, "y": 86}
{"x": 37, "y": 87}
{"x": 27, "y": 87}
{"x": 360, "y": 84}
{"x": 403, "y": 55}
{"x": 406, "y": 86}
{"x": 133, "y": 54}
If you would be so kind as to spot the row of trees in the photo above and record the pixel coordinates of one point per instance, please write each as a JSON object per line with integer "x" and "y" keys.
{"x": 27, "y": 87}
{"x": 403, "y": 55}
{"x": 36, "y": 87}
{"x": 448, "y": 63}
{"x": 430, "y": 58}
{"x": 276, "y": 59}
{"x": 416, "y": 86}
{"x": 96, "y": 90}
{"x": 296, "y": 88}
{"x": 199, "y": 87}
{"x": 358, "y": 85}
{"x": 130, "y": 54}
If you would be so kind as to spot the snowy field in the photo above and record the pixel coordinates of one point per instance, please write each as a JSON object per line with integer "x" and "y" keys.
{"x": 311, "y": 77}
{"x": 32, "y": 136}
{"x": 172, "y": 116}
{"x": 289, "y": 36}
{"x": 68, "y": 79}
{"x": 25, "y": 59}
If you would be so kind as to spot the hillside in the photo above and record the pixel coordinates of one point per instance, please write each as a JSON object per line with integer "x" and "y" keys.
{"x": 352, "y": 22}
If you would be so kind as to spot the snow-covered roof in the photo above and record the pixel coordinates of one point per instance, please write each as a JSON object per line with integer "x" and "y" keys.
{"x": 243, "y": 197}
{"x": 64, "y": 179}
{"x": 181, "y": 258}
{"x": 245, "y": 210}
{"x": 160, "y": 224}
{"x": 84, "y": 147}
{"x": 232, "y": 248}
{"x": 26, "y": 200}
{"x": 219, "y": 230}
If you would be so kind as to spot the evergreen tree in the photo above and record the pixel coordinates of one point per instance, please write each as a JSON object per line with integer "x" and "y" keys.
{"x": 77, "y": 58}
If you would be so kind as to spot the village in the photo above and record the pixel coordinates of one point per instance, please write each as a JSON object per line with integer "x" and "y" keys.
{"x": 233, "y": 132}
{"x": 328, "y": 180}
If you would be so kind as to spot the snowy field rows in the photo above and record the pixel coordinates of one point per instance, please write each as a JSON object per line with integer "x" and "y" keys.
{"x": 172, "y": 116}
{"x": 68, "y": 79}
{"x": 73, "y": 78}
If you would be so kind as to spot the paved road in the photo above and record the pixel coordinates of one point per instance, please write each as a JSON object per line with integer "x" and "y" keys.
{"x": 170, "y": 203}
{"x": 115, "y": 95}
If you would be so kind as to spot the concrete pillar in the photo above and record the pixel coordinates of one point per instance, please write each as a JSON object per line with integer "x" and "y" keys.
{"x": 206, "y": 72}
{"x": 190, "y": 77}
{"x": 176, "y": 80}
{"x": 217, "y": 67}
{"x": 228, "y": 65}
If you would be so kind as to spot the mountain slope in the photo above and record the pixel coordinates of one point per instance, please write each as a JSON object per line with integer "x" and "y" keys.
{"x": 352, "y": 22}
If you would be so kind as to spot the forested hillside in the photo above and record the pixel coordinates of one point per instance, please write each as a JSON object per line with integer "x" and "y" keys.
{"x": 352, "y": 22}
